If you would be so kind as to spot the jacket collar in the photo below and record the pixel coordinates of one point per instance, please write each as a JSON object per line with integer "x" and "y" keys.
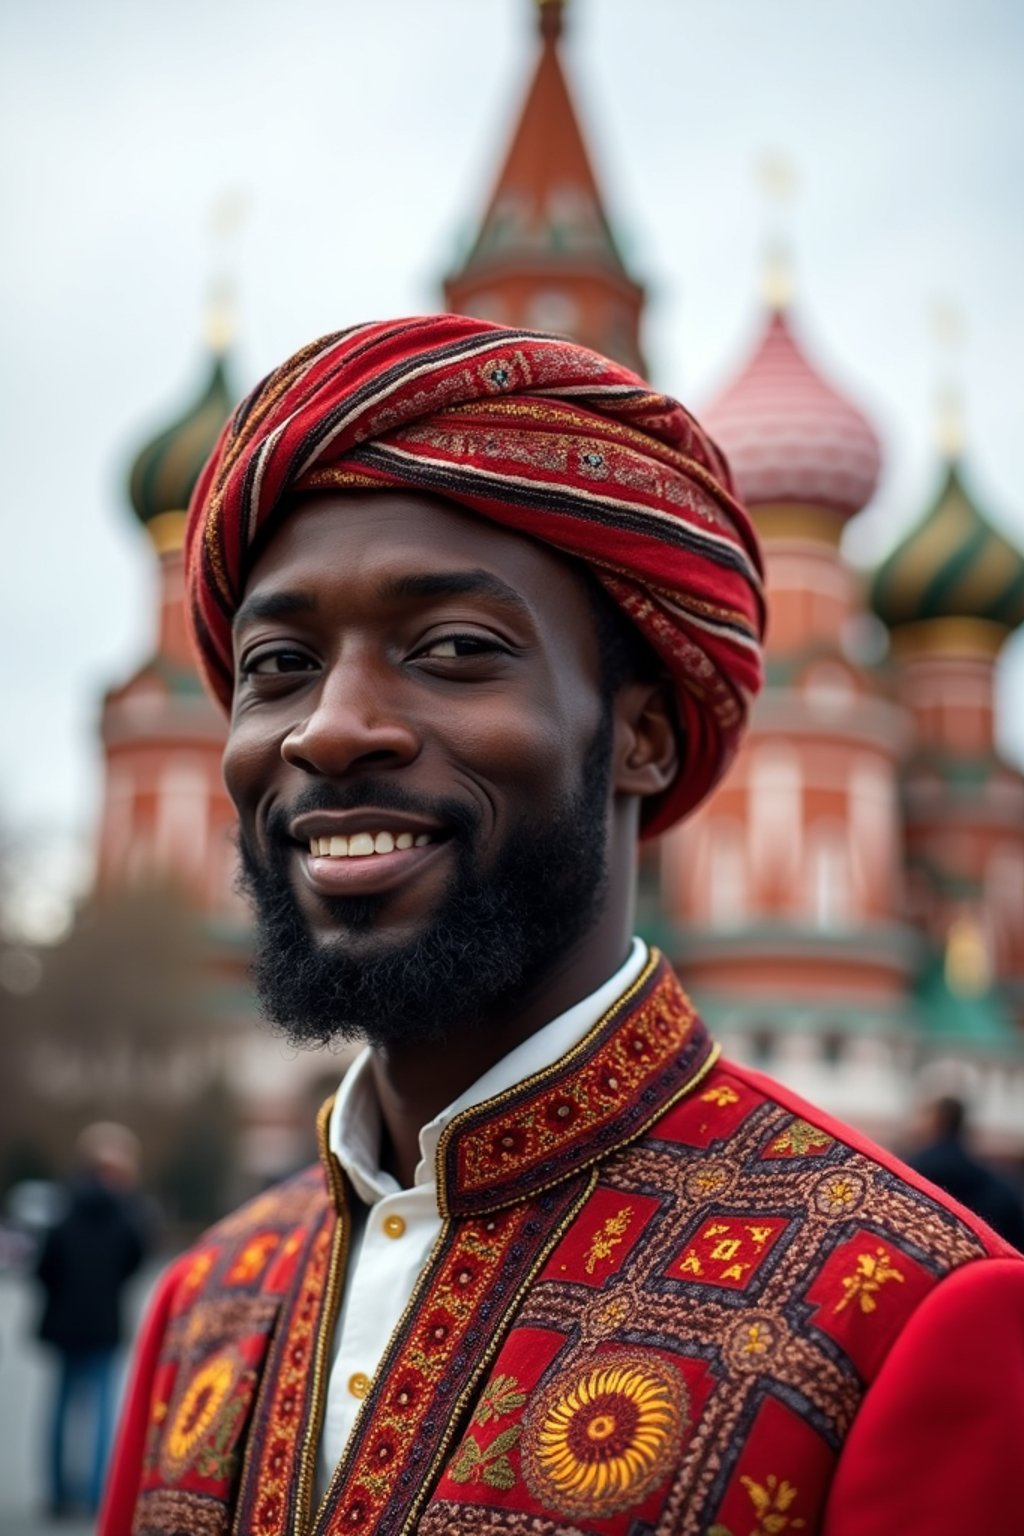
{"x": 646, "y": 1051}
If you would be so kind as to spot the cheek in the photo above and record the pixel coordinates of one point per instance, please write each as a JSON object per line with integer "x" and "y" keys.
{"x": 245, "y": 766}
{"x": 531, "y": 751}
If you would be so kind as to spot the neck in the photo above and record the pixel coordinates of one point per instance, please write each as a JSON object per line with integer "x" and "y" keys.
{"x": 416, "y": 1080}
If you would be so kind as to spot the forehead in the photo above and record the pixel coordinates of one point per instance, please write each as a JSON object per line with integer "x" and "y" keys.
{"x": 357, "y": 544}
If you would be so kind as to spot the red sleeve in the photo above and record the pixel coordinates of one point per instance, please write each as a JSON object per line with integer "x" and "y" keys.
{"x": 937, "y": 1446}
{"x": 125, "y": 1470}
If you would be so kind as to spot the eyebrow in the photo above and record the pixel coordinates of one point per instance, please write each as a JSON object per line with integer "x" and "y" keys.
{"x": 472, "y": 583}
{"x": 426, "y": 584}
{"x": 272, "y": 605}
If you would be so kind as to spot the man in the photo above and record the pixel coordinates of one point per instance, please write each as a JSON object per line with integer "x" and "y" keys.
{"x": 943, "y": 1156}
{"x": 86, "y": 1260}
{"x": 484, "y": 607}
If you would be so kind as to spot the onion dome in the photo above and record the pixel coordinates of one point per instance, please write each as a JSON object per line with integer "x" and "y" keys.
{"x": 953, "y": 565}
{"x": 790, "y": 438}
{"x": 167, "y": 468}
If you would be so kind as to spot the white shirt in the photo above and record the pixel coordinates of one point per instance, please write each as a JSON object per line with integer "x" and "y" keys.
{"x": 395, "y": 1230}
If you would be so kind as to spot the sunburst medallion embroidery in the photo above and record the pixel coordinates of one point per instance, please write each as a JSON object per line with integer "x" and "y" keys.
{"x": 203, "y": 1399}
{"x": 604, "y": 1433}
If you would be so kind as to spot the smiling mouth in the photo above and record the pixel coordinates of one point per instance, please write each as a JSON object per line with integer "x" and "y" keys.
{"x": 363, "y": 845}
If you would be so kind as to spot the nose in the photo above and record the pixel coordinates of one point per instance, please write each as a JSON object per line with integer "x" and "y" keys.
{"x": 354, "y": 722}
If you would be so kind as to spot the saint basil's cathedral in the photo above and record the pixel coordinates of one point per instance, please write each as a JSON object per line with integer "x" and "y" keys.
{"x": 848, "y": 908}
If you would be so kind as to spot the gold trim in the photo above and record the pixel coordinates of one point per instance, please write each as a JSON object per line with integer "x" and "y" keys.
{"x": 166, "y": 531}
{"x": 328, "y": 1161}
{"x": 337, "y": 1266}
{"x": 654, "y": 960}
{"x": 425, "y": 1280}
{"x": 528, "y": 1083}
{"x": 961, "y": 637}
{"x": 348, "y": 1455}
{"x": 498, "y": 1335}
{"x": 602, "y": 1153}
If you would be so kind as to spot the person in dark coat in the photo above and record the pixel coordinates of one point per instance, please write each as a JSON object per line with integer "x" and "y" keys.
{"x": 83, "y": 1265}
{"x": 944, "y": 1158}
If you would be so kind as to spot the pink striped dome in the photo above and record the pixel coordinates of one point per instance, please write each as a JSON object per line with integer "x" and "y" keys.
{"x": 789, "y": 436}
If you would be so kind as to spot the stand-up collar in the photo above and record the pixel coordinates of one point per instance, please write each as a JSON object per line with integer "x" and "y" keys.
{"x": 646, "y": 1051}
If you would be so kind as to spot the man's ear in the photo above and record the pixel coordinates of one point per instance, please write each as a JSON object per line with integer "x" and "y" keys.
{"x": 646, "y": 753}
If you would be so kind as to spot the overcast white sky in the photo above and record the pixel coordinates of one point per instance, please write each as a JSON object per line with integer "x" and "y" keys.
{"x": 364, "y": 138}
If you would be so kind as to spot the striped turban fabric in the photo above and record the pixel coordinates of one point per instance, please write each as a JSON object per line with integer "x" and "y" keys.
{"x": 536, "y": 433}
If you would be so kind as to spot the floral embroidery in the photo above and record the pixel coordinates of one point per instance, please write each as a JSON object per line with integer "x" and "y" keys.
{"x": 873, "y": 1271}
{"x": 604, "y": 1435}
{"x": 499, "y": 1397}
{"x": 491, "y": 1464}
{"x": 607, "y": 1238}
{"x": 799, "y": 1138}
{"x": 770, "y": 1499}
{"x": 839, "y": 1194}
{"x": 549, "y": 1125}
{"x": 252, "y": 1258}
{"x": 205, "y": 1396}
{"x": 703, "y": 1182}
{"x": 757, "y": 1340}
{"x": 198, "y": 1271}
{"x": 720, "y": 1095}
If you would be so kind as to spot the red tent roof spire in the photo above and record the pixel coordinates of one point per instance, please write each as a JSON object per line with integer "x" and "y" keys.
{"x": 546, "y": 198}
{"x": 544, "y": 255}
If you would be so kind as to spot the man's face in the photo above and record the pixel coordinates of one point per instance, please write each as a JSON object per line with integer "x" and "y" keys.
{"x": 419, "y": 757}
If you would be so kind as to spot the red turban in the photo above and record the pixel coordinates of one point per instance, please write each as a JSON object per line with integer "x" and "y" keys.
{"x": 536, "y": 433}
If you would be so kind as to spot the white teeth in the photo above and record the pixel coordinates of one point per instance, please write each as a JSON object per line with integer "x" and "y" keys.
{"x": 361, "y": 844}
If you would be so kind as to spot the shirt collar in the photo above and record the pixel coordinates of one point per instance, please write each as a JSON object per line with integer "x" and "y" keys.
{"x": 354, "y": 1128}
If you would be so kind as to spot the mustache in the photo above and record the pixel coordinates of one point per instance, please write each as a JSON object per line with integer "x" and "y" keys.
{"x": 456, "y": 816}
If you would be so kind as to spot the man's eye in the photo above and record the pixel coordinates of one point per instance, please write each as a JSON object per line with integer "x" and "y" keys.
{"x": 276, "y": 663}
{"x": 447, "y": 647}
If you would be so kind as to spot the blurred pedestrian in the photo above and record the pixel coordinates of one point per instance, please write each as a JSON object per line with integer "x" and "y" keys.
{"x": 83, "y": 1265}
{"x": 944, "y": 1157}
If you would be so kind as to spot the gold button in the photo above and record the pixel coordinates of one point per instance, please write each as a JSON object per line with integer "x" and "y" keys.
{"x": 393, "y": 1226}
{"x": 358, "y": 1384}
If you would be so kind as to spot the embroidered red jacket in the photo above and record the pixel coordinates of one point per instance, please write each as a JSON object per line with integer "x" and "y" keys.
{"x": 668, "y": 1297}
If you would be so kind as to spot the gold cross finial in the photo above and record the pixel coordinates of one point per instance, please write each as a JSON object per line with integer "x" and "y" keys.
{"x": 778, "y": 179}
{"x": 226, "y": 219}
{"x": 949, "y": 331}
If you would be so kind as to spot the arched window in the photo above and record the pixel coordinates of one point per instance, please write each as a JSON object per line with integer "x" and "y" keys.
{"x": 776, "y": 815}
{"x": 727, "y": 875}
{"x": 828, "y": 876}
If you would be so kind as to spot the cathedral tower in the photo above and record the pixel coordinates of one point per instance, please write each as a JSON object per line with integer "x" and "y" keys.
{"x": 166, "y": 817}
{"x": 785, "y": 892}
{"x": 544, "y": 257}
{"x": 950, "y": 594}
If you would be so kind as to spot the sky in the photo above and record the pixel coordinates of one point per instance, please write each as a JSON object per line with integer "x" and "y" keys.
{"x": 361, "y": 141}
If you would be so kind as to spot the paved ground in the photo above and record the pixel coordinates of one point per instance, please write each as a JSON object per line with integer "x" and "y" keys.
{"x": 24, "y": 1385}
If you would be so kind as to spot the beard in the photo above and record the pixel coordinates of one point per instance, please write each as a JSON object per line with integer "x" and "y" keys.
{"x": 494, "y": 936}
